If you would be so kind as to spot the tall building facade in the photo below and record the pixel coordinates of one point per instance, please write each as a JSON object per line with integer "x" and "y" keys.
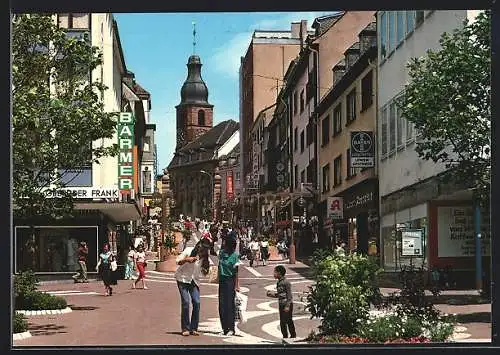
{"x": 107, "y": 206}
{"x": 412, "y": 197}
{"x": 261, "y": 75}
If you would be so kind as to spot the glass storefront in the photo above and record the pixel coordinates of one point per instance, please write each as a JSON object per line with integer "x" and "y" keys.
{"x": 54, "y": 248}
{"x": 392, "y": 244}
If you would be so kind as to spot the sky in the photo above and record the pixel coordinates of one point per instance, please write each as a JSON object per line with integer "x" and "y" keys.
{"x": 157, "y": 46}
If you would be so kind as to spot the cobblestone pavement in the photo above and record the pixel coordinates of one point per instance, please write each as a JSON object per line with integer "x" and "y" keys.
{"x": 152, "y": 317}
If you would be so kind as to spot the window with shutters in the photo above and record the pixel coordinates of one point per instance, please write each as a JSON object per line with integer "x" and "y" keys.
{"x": 351, "y": 107}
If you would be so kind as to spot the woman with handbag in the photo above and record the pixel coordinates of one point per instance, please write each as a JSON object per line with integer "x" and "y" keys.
{"x": 192, "y": 263}
{"x": 228, "y": 283}
{"x": 140, "y": 265}
{"x": 104, "y": 268}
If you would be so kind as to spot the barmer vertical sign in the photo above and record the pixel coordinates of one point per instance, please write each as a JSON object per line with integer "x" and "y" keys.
{"x": 126, "y": 124}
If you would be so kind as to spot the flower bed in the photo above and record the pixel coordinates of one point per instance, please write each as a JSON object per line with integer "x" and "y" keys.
{"x": 19, "y": 323}
{"x": 344, "y": 294}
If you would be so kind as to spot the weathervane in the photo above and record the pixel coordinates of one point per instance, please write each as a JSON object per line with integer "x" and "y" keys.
{"x": 194, "y": 37}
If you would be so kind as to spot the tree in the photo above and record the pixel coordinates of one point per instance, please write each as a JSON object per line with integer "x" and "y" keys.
{"x": 58, "y": 113}
{"x": 448, "y": 101}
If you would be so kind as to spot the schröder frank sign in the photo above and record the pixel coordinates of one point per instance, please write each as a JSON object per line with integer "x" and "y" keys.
{"x": 84, "y": 192}
{"x": 125, "y": 155}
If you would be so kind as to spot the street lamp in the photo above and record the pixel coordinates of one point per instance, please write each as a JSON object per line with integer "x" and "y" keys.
{"x": 211, "y": 190}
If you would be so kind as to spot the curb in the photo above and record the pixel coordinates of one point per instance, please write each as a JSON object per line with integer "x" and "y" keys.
{"x": 469, "y": 340}
{"x": 45, "y": 312}
{"x": 20, "y": 336}
{"x": 53, "y": 282}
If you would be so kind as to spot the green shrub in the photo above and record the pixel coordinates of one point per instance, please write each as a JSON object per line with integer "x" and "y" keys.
{"x": 380, "y": 329}
{"x": 19, "y": 323}
{"x": 343, "y": 291}
{"x": 441, "y": 331}
{"x": 25, "y": 283}
{"x": 37, "y": 301}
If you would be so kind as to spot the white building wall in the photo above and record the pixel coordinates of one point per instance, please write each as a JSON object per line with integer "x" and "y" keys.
{"x": 229, "y": 145}
{"x": 105, "y": 174}
{"x": 405, "y": 168}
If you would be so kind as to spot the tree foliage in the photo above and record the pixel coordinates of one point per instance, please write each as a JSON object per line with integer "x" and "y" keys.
{"x": 58, "y": 112}
{"x": 448, "y": 100}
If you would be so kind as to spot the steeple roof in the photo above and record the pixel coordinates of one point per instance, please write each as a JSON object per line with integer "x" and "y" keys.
{"x": 194, "y": 90}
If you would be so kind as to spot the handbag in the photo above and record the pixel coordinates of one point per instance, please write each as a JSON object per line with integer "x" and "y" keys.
{"x": 114, "y": 265}
{"x": 213, "y": 274}
{"x": 240, "y": 304}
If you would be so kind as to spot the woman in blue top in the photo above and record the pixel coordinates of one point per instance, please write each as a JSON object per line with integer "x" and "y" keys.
{"x": 228, "y": 283}
{"x": 104, "y": 269}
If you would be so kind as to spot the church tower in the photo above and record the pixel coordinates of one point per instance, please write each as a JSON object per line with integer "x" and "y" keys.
{"x": 194, "y": 113}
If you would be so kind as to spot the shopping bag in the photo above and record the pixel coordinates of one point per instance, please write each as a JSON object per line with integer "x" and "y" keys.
{"x": 213, "y": 274}
{"x": 114, "y": 265}
{"x": 240, "y": 302}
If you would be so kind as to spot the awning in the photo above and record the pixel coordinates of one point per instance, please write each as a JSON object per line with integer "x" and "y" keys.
{"x": 117, "y": 211}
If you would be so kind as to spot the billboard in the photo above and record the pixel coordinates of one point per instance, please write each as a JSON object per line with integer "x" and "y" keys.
{"x": 125, "y": 151}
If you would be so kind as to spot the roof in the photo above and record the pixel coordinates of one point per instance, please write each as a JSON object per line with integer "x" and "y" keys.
{"x": 323, "y": 23}
{"x": 212, "y": 139}
{"x": 129, "y": 79}
{"x": 235, "y": 152}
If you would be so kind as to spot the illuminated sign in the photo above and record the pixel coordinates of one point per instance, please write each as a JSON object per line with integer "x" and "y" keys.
{"x": 125, "y": 155}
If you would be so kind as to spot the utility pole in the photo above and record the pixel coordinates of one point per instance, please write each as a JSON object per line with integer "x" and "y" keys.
{"x": 291, "y": 253}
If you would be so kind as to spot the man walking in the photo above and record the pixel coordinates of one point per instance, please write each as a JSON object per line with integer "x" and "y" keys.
{"x": 83, "y": 251}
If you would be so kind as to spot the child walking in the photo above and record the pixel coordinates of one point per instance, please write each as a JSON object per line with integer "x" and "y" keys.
{"x": 285, "y": 301}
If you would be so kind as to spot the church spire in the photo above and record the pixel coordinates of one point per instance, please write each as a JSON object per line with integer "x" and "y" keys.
{"x": 194, "y": 37}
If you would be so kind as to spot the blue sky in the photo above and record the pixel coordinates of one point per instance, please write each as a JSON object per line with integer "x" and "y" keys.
{"x": 157, "y": 46}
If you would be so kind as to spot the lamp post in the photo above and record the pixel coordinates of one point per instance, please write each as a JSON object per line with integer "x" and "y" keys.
{"x": 212, "y": 195}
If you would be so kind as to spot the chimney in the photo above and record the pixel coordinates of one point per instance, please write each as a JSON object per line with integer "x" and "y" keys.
{"x": 296, "y": 30}
{"x": 303, "y": 33}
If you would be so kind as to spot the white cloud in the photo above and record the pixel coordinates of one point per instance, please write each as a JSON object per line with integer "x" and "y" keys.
{"x": 227, "y": 58}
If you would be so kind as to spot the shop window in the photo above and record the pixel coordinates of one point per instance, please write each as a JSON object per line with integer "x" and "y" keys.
{"x": 400, "y": 128}
{"x": 392, "y": 128}
{"x": 54, "y": 249}
{"x": 76, "y": 177}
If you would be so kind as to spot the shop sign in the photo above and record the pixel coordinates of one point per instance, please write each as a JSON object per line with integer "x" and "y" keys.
{"x": 456, "y": 237}
{"x": 84, "y": 192}
{"x": 359, "y": 200}
{"x": 412, "y": 242}
{"x": 229, "y": 185}
{"x": 362, "y": 149}
{"x": 125, "y": 154}
{"x": 335, "y": 208}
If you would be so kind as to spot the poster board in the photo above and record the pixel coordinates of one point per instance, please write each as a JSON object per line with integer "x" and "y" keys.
{"x": 411, "y": 242}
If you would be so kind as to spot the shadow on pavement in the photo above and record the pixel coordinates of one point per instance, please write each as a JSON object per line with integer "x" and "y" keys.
{"x": 302, "y": 271}
{"x": 83, "y": 308}
{"x": 478, "y": 317}
{"x": 46, "y": 329}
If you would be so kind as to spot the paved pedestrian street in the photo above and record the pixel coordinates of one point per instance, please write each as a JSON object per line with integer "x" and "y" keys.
{"x": 152, "y": 317}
